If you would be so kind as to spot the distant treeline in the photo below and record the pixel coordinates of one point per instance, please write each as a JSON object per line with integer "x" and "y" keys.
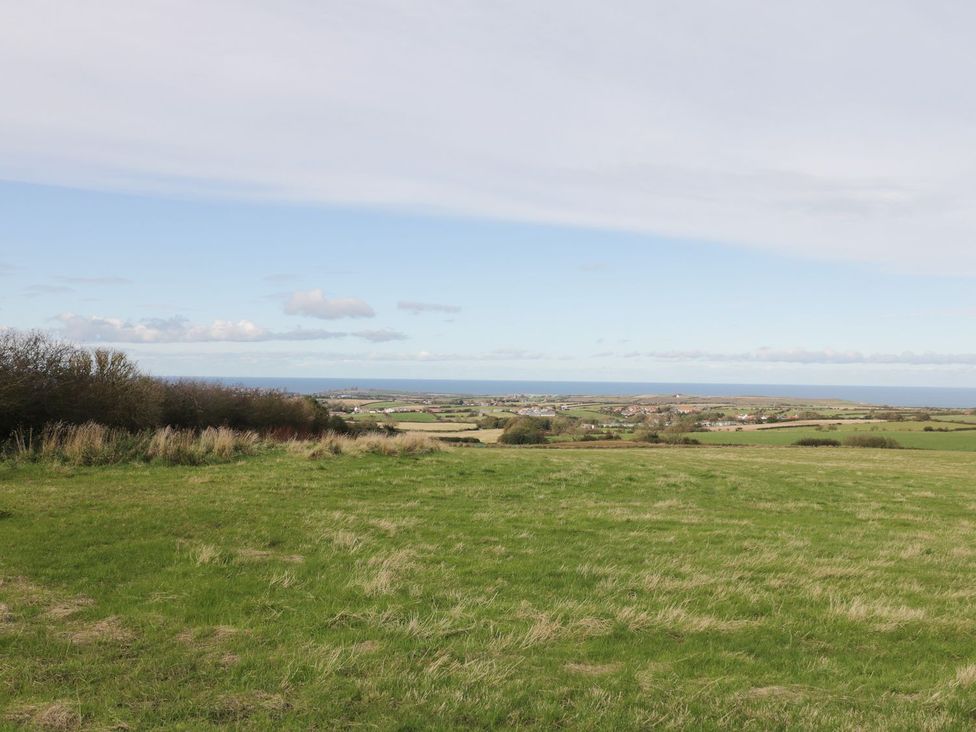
{"x": 44, "y": 381}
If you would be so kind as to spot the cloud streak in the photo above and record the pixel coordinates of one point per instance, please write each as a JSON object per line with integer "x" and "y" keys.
{"x": 726, "y": 122}
{"x": 94, "y": 329}
{"x": 412, "y": 306}
{"x": 314, "y": 304}
{"x": 106, "y": 280}
{"x": 802, "y": 356}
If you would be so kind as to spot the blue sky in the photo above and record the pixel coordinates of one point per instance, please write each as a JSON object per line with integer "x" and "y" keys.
{"x": 759, "y": 193}
{"x": 456, "y": 296}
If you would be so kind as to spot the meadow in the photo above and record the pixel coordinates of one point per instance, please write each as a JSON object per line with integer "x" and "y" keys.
{"x": 702, "y": 587}
{"x": 960, "y": 436}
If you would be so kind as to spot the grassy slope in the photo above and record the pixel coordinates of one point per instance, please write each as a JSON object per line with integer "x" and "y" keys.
{"x": 712, "y": 587}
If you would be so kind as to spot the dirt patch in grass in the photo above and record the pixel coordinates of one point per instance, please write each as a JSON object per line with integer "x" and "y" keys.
{"x": 239, "y": 707}
{"x": 56, "y": 716}
{"x": 207, "y": 637}
{"x": 108, "y": 630}
{"x": 64, "y": 610}
{"x": 593, "y": 669}
{"x": 780, "y": 693}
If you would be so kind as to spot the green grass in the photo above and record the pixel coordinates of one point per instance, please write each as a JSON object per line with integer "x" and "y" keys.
{"x": 584, "y": 413}
{"x": 412, "y": 417}
{"x": 735, "y": 588}
{"x": 395, "y": 417}
{"x": 960, "y": 418}
{"x": 907, "y": 434}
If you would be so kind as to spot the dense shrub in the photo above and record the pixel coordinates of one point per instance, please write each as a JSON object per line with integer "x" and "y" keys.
{"x": 45, "y": 381}
{"x": 646, "y": 435}
{"x": 525, "y": 431}
{"x": 871, "y": 441}
{"x": 199, "y": 404}
{"x": 817, "y": 442}
{"x": 889, "y": 416}
{"x": 673, "y": 439}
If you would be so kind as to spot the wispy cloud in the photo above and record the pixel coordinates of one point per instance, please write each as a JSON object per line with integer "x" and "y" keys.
{"x": 426, "y": 307}
{"x": 315, "y": 304}
{"x": 38, "y": 290}
{"x": 106, "y": 280}
{"x": 280, "y": 278}
{"x": 276, "y": 357}
{"x": 814, "y": 155}
{"x": 93, "y": 329}
{"x": 803, "y": 356}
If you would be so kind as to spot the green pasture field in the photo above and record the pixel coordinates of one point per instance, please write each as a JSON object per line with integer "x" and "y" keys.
{"x": 960, "y": 418}
{"x": 411, "y": 417}
{"x": 388, "y": 405}
{"x": 704, "y": 588}
{"x": 906, "y": 434}
{"x": 584, "y": 413}
{"x": 396, "y": 417}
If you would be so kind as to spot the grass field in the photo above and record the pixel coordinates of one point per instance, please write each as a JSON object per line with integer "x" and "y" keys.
{"x": 395, "y": 417}
{"x": 439, "y": 427}
{"x": 907, "y": 434}
{"x": 962, "y": 418}
{"x": 735, "y": 588}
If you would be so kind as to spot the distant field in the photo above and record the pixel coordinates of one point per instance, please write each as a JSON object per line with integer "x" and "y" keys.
{"x": 439, "y": 426}
{"x": 587, "y": 414}
{"x": 488, "y": 437}
{"x": 966, "y": 418}
{"x": 703, "y": 588}
{"x": 390, "y": 405}
{"x": 409, "y": 417}
{"x": 907, "y": 434}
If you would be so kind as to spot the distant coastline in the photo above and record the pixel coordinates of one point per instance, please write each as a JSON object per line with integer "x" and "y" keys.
{"x": 899, "y": 396}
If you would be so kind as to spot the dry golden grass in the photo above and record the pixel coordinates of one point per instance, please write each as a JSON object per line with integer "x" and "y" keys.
{"x": 186, "y": 446}
{"x": 332, "y": 444}
{"x": 488, "y": 437}
{"x": 95, "y": 444}
{"x": 55, "y": 716}
{"x": 437, "y": 426}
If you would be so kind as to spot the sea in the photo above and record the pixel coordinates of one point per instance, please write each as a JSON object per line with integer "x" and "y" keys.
{"x": 896, "y": 396}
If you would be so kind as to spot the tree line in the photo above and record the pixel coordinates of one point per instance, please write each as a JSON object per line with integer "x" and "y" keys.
{"x": 44, "y": 380}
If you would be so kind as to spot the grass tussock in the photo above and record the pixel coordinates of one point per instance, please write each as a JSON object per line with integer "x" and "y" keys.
{"x": 95, "y": 444}
{"x": 332, "y": 444}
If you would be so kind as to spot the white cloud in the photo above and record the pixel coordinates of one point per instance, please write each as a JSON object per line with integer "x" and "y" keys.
{"x": 89, "y": 329}
{"x": 426, "y": 307}
{"x": 832, "y": 129}
{"x": 315, "y": 304}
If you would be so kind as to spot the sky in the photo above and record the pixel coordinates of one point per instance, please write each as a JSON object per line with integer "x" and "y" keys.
{"x": 648, "y": 191}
